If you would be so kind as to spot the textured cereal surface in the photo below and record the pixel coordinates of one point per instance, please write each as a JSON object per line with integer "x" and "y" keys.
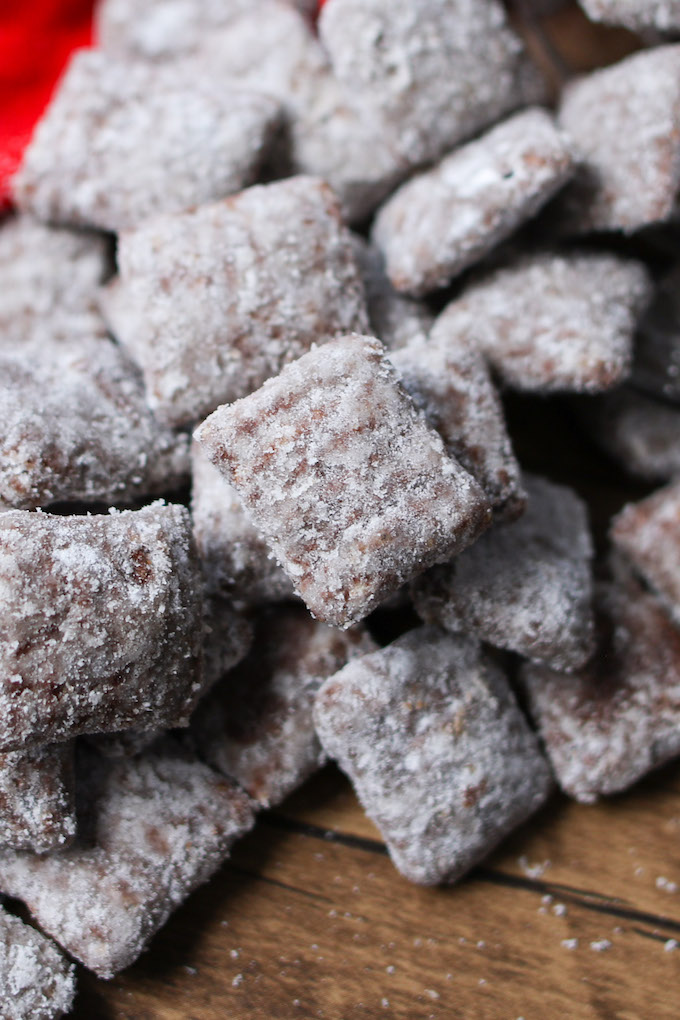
{"x": 223, "y": 296}
{"x": 122, "y": 141}
{"x": 648, "y": 535}
{"x": 101, "y": 623}
{"x": 447, "y": 218}
{"x": 639, "y": 432}
{"x": 236, "y": 559}
{"x": 441, "y": 757}
{"x": 557, "y": 322}
{"x": 256, "y": 726}
{"x": 227, "y": 637}
{"x": 397, "y": 320}
{"x": 637, "y": 15}
{"x": 431, "y": 73}
{"x": 344, "y": 479}
{"x": 76, "y": 427}
{"x": 525, "y": 586}
{"x": 656, "y": 367}
{"x": 48, "y": 281}
{"x": 162, "y": 29}
{"x": 36, "y": 982}
{"x": 620, "y": 716}
{"x": 37, "y": 798}
{"x": 624, "y": 124}
{"x": 154, "y": 828}
{"x": 447, "y": 376}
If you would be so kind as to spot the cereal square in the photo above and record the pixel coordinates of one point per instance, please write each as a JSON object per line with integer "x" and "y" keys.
{"x": 448, "y": 378}
{"x": 624, "y": 124}
{"x": 120, "y": 142}
{"x": 256, "y": 726}
{"x": 525, "y": 586}
{"x": 656, "y": 368}
{"x": 447, "y": 218}
{"x": 430, "y": 72}
{"x": 237, "y": 562}
{"x": 637, "y": 15}
{"x": 556, "y": 322}
{"x": 77, "y": 428}
{"x": 154, "y": 828}
{"x": 344, "y": 479}
{"x": 440, "y": 755}
{"x": 36, "y": 982}
{"x": 648, "y": 536}
{"x": 221, "y": 297}
{"x": 37, "y": 798}
{"x": 612, "y": 722}
{"x": 101, "y": 624}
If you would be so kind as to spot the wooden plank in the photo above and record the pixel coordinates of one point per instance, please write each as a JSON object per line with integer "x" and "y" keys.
{"x": 300, "y": 925}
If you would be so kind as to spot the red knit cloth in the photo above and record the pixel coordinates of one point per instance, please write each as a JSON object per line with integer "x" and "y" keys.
{"x": 36, "y": 38}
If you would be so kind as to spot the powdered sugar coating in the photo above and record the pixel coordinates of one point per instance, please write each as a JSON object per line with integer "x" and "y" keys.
{"x": 642, "y": 434}
{"x": 637, "y": 15}
{"x": 154, "y": 828}
{"x": 256, "y": 726}
{"x": 101, "y": 624}
{"x": 619, "y": 717}
{"x": 624, "y": 124}
{"x": 48, "y": 281}
{"x": 227, "y": 637}
{"x": 448, "y": 378}
{"x": 162, "y": 29}
{"x": 656, "y": 368}
{"x": 340, "y": 473}
{"x": 395, "y": 319}
{"x": 556, "y": 322}
{"x": 648, "y": 535}
{"x": 120, "y": 142}
{"x": 223, "y": 296}
{"x": 36, "y": 982}
{"x": 236, "y": 559}
{"x": 430, "y": 73}
{"x": 76, "y": 426}
{"x": 37, "y": 798}
{"x": 525, "y": 586}
{"x": 440, "y": 755}
{"x": 446, "y": 219}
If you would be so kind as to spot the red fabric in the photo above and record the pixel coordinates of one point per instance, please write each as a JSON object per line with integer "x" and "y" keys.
{"x": 36, "y": 38}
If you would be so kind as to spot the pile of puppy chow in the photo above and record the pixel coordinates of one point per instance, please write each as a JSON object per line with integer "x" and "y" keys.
{"x": 287, "y": 268}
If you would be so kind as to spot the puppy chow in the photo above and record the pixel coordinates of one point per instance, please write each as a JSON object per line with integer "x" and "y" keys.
{"x": 344, "y": 479}
{"x": 448, "y": 379}
{"x": 656, "y": 368}
{"x": 440, "y": 755}
{"x": 120, "y": 142}
{"x": 447, "y": 218}
{"x": 397, "y": 320}
{"x": 256, "y": 726}
{"x": 619, "y": 717}
{"x": 49, "y": 280}
{"x": 152, "y": 829}
{"x": 624, "y": 125}
{"x": 36, "y": 982}
{"x": 37, "y": 798}
{"x": 637, "y": 15}
{"x": 525, "y": 586}
{"x": 641, "y": 433}
{"x": 76, "y": 427}
{"x": 430, "y": 73}
{"x": 648, "y": 536}
{"x": 221, "y": 297}
{"x": 236, "y": 559}
{"x": 557, "y": 322}
{"x": 101, "y": 624}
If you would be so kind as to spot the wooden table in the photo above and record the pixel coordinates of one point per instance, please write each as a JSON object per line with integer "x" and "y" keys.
{"x": 574, "y": 916}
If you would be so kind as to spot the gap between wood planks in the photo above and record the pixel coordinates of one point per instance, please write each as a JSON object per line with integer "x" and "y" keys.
{"x": 587, "y": 899}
